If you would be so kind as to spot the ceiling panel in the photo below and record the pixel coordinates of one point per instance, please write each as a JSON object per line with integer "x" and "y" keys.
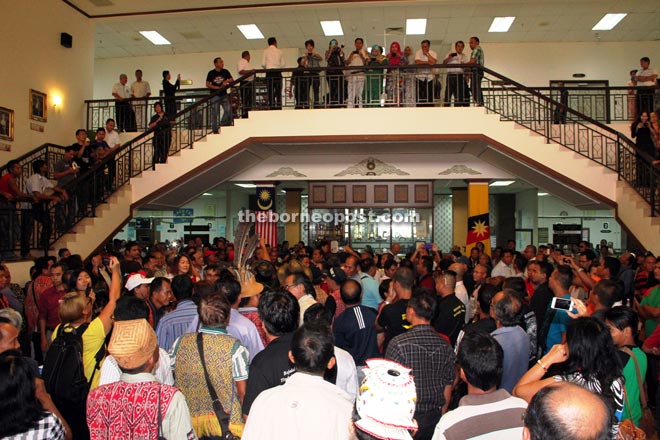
{"x": 550, "y": 20}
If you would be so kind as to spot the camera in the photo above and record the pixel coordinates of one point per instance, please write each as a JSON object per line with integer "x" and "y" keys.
{"x": 105, "y": 260}
{"x": 566, "y": 260}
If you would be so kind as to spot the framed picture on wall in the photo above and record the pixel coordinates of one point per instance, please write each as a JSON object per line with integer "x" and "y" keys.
{"x": 38, "y": 106}
{"x": 6, "y": 124}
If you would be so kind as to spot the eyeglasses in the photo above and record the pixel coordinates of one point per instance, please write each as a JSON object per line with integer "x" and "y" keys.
{"x": 288, "y": 286}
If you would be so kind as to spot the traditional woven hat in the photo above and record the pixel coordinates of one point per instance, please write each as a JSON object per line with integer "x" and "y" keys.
{"x": 132, "y": 343}
{"x": 386, "y": 402}
{"x": 251, "y": 287}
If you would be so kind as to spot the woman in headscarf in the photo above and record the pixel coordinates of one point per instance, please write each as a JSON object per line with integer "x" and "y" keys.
{"x": 394, "y": 78}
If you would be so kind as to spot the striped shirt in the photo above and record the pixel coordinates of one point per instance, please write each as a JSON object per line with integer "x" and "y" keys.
{"x": 175, "y": 324}
{"x": 492, "y": 416}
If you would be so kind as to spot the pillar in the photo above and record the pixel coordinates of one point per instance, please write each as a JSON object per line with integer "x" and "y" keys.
{"x": 292, "y": 204}
{"x": 459, "y": 205}
{"x": 477, "y": 224}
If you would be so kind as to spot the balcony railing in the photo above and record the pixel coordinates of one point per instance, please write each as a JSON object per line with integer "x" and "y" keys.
{"x": 382, "y": 86}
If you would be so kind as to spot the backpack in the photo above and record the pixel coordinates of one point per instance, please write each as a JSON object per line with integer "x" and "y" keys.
{"x": 63, "y": 371}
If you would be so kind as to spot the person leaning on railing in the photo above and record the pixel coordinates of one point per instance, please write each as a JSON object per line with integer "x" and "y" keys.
{"x": 334, "y": 56}
{"x": 43, "y": 190}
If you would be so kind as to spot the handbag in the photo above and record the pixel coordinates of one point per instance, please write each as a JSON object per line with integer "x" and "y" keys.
{"x": 647, "y": 421}
{"x": 222, "y": 416}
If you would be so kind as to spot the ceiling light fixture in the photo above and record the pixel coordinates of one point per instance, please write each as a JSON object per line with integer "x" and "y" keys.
{"x": 542, "y": 194}
{"x": 250, "y": 31}
{"x": 502, "y": 183}
{"x": 608, "y": 22}
{"x": 332, "y": 28}
{"x": 501, "y": 24}
{"x": 207, "y": 194}
{"x": 416, "y": 26}
{"x": 246, "y": 185}
{"x": 155, "y": 38}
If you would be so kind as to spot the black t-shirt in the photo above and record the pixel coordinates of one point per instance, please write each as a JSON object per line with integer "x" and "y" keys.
{"x": 540, "y": 302}
{"x": 393, "y": 319}
{"x": 450, "y": 318}
{"x": 355, "y": 332}
{"x": 269, "y": 368}
{"x": 217, "y": 78}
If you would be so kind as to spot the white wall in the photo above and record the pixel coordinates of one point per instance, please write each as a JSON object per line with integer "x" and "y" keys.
{"x": 34, "y": 59}
{"x": 534, "y": 64}
{"x": 552, "y": 210}
{"x": 193, "y": 66}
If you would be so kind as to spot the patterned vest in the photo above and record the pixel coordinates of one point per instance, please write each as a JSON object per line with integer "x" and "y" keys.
{"x": 127, "y": 411}
{"x": 192, "y": 383}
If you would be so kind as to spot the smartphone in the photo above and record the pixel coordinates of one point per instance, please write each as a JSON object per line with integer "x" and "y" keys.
{"x": 88, "y": 290}
{"x": 562, "y": 304}
{"x": 334, "y": 246}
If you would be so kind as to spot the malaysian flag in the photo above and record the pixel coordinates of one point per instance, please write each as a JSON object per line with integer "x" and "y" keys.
{"x": 265, "y": 225}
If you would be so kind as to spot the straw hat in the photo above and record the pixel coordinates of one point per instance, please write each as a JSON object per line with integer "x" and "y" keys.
{"x": 132, "y": 343}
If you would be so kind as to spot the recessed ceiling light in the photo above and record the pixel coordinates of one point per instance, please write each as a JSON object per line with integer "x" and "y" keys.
{"x": 416, "y": 26}
{"x": 332, "y": 28}
{"x": 502, "y": 183}
{"x": 250, "y": 31}
{"x": 155, "y": 38}
{"x": 501, "y": 24}
{"x": 246, "y": 185}
{"x": 608, "y": 22}
{"x": 542, "y": 194}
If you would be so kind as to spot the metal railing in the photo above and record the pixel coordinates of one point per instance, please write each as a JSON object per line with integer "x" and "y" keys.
{"x": 381, "y": 86}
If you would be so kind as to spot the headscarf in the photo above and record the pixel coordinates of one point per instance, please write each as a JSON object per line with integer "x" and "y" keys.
{"x": 395, "y": 54}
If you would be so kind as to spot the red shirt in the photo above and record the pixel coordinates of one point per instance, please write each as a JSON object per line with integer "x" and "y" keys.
{"x": 4, "y": 184}
{"x": 49, "y": 304}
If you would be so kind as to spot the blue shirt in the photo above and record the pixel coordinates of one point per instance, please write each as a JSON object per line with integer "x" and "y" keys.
{"x": 557, "y": 326}
{"x": 175, "y": 324}
{"x": 516, "y": 347}
{"x": 370, "y": 296}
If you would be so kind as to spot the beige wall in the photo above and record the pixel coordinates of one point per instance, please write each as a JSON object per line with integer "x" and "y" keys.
{"x": 34, "y": 59}
{"x": 192, "y": 66}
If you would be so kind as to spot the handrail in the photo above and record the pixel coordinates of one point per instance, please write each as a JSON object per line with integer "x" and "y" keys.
{"x": 512, "y": 100}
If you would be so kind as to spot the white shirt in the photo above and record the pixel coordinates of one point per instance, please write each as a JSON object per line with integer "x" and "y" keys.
{"x": 462, "y": 294}
{"x": 646, "y": 72}
{"x": 305, "y": 407}
{"x": 244, "y": 64}
{"x": 121, "y": 90}
{"x": 273, "y": 58}
{"x": 110, "y": 372}
{"x": 140, "y": 89}
{"x": 112, "y": 138}
{"x": 502, "y": 270}
{"x": 38, "y": 183}
{"x": 346, "y": 373}
{"x": 425, "y": 74}
{"x": 460, "y": 58}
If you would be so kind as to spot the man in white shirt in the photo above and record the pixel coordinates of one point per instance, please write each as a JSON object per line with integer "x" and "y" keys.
{"x": 111, "y": 135}
{"x": 456, "y": 85}
{"x": 43, "y": 190}
{"x": 645, "y": 77}
{"x": 273, "y": 59}
{"x": 123, "y": 111}
{"x": 356, "y": 78}
{"x": 243, "y": 69}
{"x": 505, "y": 267}
{"x": 425, "y": 76}
{"x": 306, "y": 406}
{"x": 140, "y": 89}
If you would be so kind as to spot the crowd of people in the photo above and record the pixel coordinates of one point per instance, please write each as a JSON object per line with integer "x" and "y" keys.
{"x": 246, "y": 340}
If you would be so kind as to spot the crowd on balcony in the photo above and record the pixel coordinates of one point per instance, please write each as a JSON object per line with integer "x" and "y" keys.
{"x": 247, "y": 340}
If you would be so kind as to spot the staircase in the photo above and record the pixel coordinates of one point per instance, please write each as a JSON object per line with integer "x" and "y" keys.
{"x": 583, "y": 160}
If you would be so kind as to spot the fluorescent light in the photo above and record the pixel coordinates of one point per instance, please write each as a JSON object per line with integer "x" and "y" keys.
{"x": 246, "y": 185}
{"x": 304, "y": 196}
{"x": 332, "y": 28}
{"x": 155, "y": 38}
{"x": 608, "y": 22}
{"x": 416, "y": 26}
{"x": 542, "y": 194}
{"x": 250, "y": 31}
{"x": 501, "y": 24}
{"x": 502, "y": 183}
{"x": 207, "y": 194}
